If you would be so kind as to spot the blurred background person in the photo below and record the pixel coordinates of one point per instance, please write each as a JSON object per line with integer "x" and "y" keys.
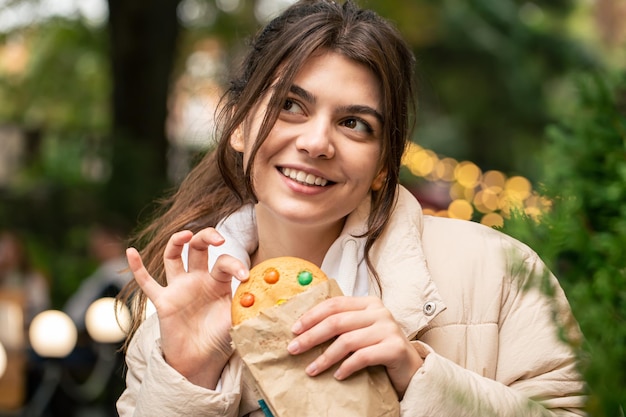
{"x": 17, "y": 274}
{"x": 107, "y": 244}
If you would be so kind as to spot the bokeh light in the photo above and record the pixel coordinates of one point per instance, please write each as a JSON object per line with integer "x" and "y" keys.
{"x": 467, "y": 174}
{"x": 52, "y": 334}
{"x": 105, "y": 324}
{"x": 487, "y": 197}
{"x": 460, "y": 209}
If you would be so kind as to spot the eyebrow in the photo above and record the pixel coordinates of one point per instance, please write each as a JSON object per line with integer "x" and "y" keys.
{"x": 354, "y": 108}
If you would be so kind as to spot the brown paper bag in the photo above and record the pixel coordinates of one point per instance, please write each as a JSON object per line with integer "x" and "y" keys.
{"x": 287, "y": 390}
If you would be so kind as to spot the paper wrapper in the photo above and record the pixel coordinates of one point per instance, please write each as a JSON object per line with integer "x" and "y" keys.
{"x": 287, "y": 390}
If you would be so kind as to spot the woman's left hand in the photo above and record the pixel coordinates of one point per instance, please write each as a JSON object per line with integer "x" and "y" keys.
{"x": 367, "y": 335}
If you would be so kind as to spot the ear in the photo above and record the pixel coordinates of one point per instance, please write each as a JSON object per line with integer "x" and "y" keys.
{"x": 236, "y": 139}
{"x": 379, "y": 180}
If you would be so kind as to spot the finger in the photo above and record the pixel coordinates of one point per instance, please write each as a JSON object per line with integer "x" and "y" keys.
{"x": 395, "y": 353}
{"x": 328, "y": 308}
{"x": 379, "y": 344}
{"x": 332, "y": 326}
{"x": 147, "y": 284}
{"x": 172, "y": 255}
{"x": 226, "y": 267}
{"x": 198, "y": 258}
{"x": 335, "y": 352}
{"x": 368, "y": 356}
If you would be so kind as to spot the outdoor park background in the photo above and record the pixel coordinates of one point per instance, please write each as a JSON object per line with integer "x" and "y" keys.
{"x": 105, "y": 105}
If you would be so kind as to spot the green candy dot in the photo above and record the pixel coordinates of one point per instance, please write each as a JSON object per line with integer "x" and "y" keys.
{"x": 305, "y": 278}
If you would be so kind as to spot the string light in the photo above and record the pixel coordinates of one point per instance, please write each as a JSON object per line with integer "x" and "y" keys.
{"x": 460, "y": 209}
{"x": 487, "y": 197}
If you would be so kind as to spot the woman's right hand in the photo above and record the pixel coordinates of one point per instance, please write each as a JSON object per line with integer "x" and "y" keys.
{"x": 194, "y": 308}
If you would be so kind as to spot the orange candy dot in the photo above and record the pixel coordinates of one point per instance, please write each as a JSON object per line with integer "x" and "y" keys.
{"x": 247, "y": 299}
{"x": 271, "y": 276}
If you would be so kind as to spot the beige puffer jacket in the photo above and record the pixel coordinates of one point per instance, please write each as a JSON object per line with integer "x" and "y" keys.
{"x": 461, "y": 291}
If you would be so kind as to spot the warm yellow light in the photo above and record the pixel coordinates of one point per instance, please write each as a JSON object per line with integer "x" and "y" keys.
{"x": 518, "y": 188}
{"x": 14, "y": 57}
{"x": 460, "y": 209}
{"x": 533, "y": 212}
{"x": 467, "y": 174}
{"x": 442, "y": 213}
{"x": 444, "y": 170}
{"x": 103, "y": 325}
{"x": 3, "y": 360}
{"x": 494, "y": 181}
{"x": 478, "y": 203}
{"x": 419, "y": 161}
{"x": 510, "y": 201}
{"x": 492, "y": 220}
{"x": 535, "y": 201}
{"x": 486, "y": 200}
{"x": 470, "y": 189}
{"x": 504, "y": 204}
{"x": 52, "y": 334}
{"x": 457, "y": 191}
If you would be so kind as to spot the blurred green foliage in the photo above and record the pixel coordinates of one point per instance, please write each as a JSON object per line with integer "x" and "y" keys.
{"x": 583, "y": 236}
{"x": 60, "y": 102}
{"x": 491, "y": 77}
{"x": 65, "y": 85}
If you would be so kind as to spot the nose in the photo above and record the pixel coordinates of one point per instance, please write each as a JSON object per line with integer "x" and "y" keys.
{"x": 316, "y": 139}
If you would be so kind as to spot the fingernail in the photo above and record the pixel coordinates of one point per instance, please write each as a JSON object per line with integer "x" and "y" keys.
{"x": 293, "y": 346}
{"x": 311, "y": 369}
{"x": 242, "y": 273}
{"x": 338, "y": 374}
{"x": 296, "y": 328}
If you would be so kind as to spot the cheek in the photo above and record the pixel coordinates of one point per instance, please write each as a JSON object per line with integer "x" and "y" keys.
{"x": 370, "y": 164}
{"x": 259, "y": 167}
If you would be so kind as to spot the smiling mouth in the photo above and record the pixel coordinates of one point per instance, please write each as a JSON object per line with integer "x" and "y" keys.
{"x": 304, "y": 177}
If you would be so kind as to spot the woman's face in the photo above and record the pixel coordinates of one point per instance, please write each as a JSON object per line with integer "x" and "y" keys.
{"x": 322, "y": 156}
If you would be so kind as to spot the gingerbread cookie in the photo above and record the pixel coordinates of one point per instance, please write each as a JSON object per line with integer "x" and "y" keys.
{"x": 273, "y": 282}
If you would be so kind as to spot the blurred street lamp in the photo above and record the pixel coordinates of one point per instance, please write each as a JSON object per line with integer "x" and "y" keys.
{"x": 105, "y": 324}
{"x": 53, "y": 336}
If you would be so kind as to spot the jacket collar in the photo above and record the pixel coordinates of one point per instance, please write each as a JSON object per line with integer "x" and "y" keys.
{"x": 408, "y": 290}
{"x": 407, "y": 287}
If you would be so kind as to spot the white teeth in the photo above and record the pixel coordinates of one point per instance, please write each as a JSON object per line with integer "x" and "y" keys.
{"x": 303, "y": 177}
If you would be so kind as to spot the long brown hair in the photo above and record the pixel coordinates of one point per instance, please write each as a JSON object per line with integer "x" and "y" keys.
{"x": 218, "y": 185}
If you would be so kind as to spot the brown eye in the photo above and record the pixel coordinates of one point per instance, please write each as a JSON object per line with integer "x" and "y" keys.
{"x": 292, "y": 106}
{"x": 357, "y": 124}
{"x": 350, "y": 123}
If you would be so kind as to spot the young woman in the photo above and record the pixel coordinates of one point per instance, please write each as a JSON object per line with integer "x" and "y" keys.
{"x": 311, "y": 136}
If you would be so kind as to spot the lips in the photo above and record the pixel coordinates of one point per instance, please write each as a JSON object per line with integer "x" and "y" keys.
{"x": 304, "y": 177}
